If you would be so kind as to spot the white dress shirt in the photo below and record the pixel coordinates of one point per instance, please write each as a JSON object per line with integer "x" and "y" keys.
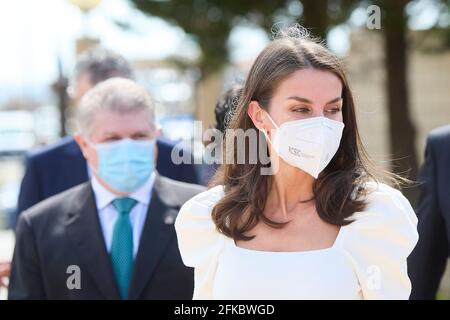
{"x": 108, "y": 214}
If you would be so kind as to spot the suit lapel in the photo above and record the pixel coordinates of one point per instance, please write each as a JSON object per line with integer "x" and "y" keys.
{"x": 156, "y": 235}
{"x": 83, "y": 227}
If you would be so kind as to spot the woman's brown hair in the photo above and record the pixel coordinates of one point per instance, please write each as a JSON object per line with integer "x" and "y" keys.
{"x": 338, "y": 189}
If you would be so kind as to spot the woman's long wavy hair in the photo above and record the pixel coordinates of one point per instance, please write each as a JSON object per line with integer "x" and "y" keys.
{"x": 338, "y": 189}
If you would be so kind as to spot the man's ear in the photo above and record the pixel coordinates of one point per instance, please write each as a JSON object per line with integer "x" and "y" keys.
{"x": 256, "y": 113}
{"x": 158, "y": 131}
{"x": 155, "y": 155}
{"x": 81, "y": 141}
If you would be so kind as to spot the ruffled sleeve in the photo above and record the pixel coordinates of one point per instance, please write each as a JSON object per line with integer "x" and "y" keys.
{"x": 379, "y": 241}
{"x": 198, "y": 239}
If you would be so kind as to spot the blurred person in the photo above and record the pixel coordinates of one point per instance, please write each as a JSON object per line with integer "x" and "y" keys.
{"x": 427, "y": 262}
{"x": 55, "y": 168}
{"x": 60, "y": 166}
{"x": 96, "y": 65}
{"x": 5, "y": 268}
{"x": 116, "y": 229}
{"x": 223, "y": 110}
{"x": 322, "y": 225}
{"x": 225, "y": 106}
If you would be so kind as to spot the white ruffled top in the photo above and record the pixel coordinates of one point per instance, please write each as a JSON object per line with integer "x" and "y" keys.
{"x": 366, "y": 261}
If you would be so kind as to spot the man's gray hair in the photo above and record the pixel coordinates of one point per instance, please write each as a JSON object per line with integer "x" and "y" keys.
{"x": 101, "y": 64}
{"x": 116, "y": 95}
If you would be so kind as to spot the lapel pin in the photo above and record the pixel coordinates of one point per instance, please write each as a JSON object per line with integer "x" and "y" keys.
{"x": 169, "y": 220}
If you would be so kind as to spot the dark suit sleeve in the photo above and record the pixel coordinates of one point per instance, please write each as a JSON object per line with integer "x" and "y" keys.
{"x": 30, "y": 188}
{"x": 188, "y": 171}
{"x": 184, "y": 172}
{"x": 427, "y": 262}
{"x": 189, "y": 174}
{"x": 26, "y": 277}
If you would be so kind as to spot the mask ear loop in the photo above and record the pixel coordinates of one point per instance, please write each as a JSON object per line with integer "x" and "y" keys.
{"x": 266, "y": 134}
{"x": 269, "y": 141}
{"x": 271, "y": 120}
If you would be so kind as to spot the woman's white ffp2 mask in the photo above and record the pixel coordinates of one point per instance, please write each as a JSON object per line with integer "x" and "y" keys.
{"x": 308, "y": 144}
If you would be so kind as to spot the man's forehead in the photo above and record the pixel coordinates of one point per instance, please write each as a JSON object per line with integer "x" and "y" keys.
{"x": 111, "y": 121}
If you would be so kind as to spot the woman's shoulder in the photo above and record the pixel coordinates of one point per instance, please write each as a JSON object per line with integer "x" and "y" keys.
{"x": 206, "y": 200}
{"x": 385, "y": 206}
{"x": 378, "y": 241}
{"x": 388, "y": 224}
{"x": 198, "y": 209}
{"x": 198, "y": 237}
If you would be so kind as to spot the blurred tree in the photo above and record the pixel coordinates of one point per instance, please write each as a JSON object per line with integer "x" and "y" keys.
{"x": 59, "y": 87}
{"x": 210, "y": 22}
{"x": 402, "y": 131}
{"x": 401, "y": 128}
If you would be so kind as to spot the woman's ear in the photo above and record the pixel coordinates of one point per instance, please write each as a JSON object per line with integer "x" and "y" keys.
{"x": 256, "y": 113}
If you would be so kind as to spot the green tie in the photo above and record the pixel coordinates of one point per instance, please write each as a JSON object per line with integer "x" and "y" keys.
{"x": 122, "y": 245}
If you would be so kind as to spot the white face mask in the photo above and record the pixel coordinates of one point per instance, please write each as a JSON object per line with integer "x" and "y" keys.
{"x": 308, "y": 144}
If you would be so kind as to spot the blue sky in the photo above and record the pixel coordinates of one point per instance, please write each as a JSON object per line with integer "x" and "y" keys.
{"x": 34, "y": 32}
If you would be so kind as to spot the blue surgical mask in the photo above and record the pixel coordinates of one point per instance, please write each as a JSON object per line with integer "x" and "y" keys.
{"x": 125, "y": 165}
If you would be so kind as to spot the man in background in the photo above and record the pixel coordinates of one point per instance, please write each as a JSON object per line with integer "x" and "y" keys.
{"x": 58, "y": 167}
{"x": 427, "y": 262}
{"x": 111, "y": 237}
{"x": 5, "y": 268}
{"x": 55, "y": 168}
{"x": 223, "y": 110}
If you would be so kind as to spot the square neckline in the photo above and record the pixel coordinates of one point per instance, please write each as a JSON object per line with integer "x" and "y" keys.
{"x": 330, "y": 248}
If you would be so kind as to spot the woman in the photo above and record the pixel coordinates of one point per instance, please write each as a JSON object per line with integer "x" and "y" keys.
{"x": 321, "y": 226}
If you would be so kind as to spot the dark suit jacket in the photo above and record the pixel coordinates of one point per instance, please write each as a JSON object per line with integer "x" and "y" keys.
{"x": 64, "y": 230}
{"x": 56, "y": 168}
{"x": 427, "y": 262}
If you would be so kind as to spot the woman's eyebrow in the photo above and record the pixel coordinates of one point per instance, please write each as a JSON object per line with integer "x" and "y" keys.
{"x": 334, "y": 100}
{"x": 301, "y": 99}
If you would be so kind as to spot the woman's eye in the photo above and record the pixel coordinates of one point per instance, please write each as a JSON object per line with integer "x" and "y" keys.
{"x": 302, "y": 109}
{"x": 334, "y": 110}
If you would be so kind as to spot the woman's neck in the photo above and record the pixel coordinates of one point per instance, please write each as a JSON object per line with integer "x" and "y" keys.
{"x": 290, "y": 186}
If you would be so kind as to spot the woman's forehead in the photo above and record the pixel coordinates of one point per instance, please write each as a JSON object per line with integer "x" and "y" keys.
{"x": 311, "y": 84}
